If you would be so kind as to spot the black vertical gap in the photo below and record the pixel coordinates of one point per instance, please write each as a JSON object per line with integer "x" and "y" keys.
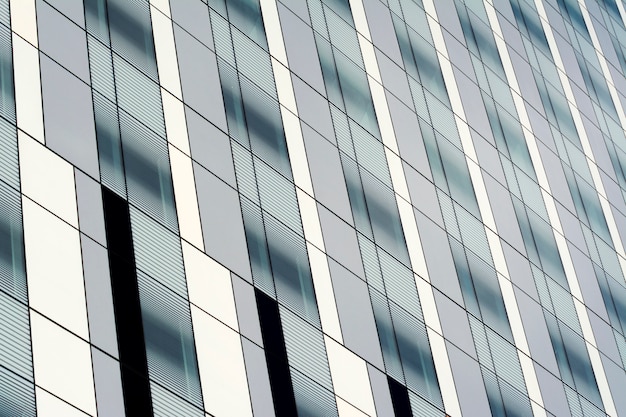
{"x": 276, "y": 356}
{"x": 399, "y": 398}
{"x": 130, "y": 336}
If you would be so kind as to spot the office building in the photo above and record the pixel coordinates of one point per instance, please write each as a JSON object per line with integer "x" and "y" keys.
{"x": 312, "y": 207}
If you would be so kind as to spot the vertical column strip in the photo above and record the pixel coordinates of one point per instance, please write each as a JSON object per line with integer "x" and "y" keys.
{"x": 301, "y": 174}
{"x": 570, "y": 273}
{"x": 276, "y": 356}
{"x": 130, "y": 334}
{"x": 603, "y": 63}
{"x": 185, "y": 194}
{"x": 28, "y": 99}
{"x": 548, "y": 198}
{"x": 407, "y": 216}
{"x": 484, "y": 205}
{"x": 591, "y": 162}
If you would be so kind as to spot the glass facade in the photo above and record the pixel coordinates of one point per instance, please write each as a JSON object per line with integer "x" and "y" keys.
{"x": 333, "y": 208}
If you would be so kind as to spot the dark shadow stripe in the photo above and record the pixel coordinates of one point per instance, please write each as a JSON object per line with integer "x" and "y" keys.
{"x": 399, "y": 398}
{"x": 276, "y": 356}
{"x": 130, "y": 335}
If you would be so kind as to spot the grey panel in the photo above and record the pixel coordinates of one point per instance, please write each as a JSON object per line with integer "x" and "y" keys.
{"x": 380, "y": 391}
{"x": 511, "y": 34}
{"x": 193, "y": 16}
{"x": 222, "y": 224}
{"x": 199, "y": 78}
{"x": 340, "y": 241}
{"x": 488, "y": 157}
{"x": 588, "y": 282}
{"x": 555, "y": 18}
{"x": 326, "y": 174}
{"x": 313, "y": 109}
{"x": 299, "y": 7}
{"x": 90, "y": 214}
{"x": 382, "y": 30}
{"x": 617, "y": 381}
{"x": 469, "y": 385}
{"x": 99, "y": 297}
{"x": 355, "y": 314}
{"x": 503, "y": 213}
{"x": 525, "y": 78}
{"x": 423, "y": 194}
{"x": 598, "y": 145}
{"x": 247, "y": 314}
{"x": 394, "y": 78}
{"x": 73, "y": 9}
{"x": 210, "y": 147}
{"x": 569, "y": 59}
{"x": 556, "y": 177}
{"x": 408, "y": 135}
{"x": 448, "y": 18}
{"x": 301, "y": 49}
{"x": 519, "y": 270}
{"x": 439, "y": 258}
{"x": 68, "y": 116}
{"x": 536, "y": 331}
{"x": 620, "y": 220}
{"x": 613, "y": 191}
{"x": 62, "y": 40}
{"x": 571, "y": 227}
{"x": 258, "y": 379}
{"x": 454, "y": 324}
{"x": 541, "y": 128}
{"x": 585, "y": 106}
{"x": 459, "y": 54}
{"x": 473, "y": 105}
{"x": 605, "y": 338}
{"x": 553, "y": 395}
{"x": 108, "y": 381}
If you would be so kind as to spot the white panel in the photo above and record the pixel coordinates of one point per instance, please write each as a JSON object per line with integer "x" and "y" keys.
{"x": 24, "y": 19}
{"x": 382, "y": 113}
{"x": 273, "y": 31}
{"x": 54, "y": 268}
{"x": 427, "y": 301}
{"x": 515, "y": 320}
{"x": 310, "y": 219}
{"x": 175, "y": 122}
{"x": 413, "y": 241}
{"x": 369, "y": 58}
{"x": 166, "y": 53}
{"x": 297, "y": 152}
{"x": 50, "y": 406}
{"x": 28, "y": 104}
{"x": 348, "y": 410}
{"x": 47, "y": 179}
{"x": 533, "y": 388}
{"x": 350, "y": 377}
{"x": 62, "y": 364}
{"x": 284, "y": 87}
{"x": 360, "y": 19}
{"x": 397, "y": 174}
{"x": 186, "y": 198}
{"x": 221, "y": 365}
{"x": 324, "y": 293}
{"x": 444, "y": 373}
{"x": 603, "y": 383}
{"x": 163, "y": 6}
{"x": 209, "y": 285}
